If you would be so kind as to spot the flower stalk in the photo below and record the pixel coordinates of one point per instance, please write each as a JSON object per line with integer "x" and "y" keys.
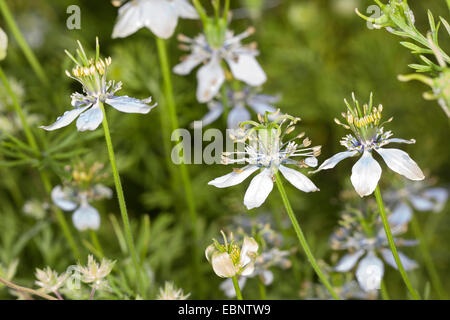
{"x": 236, "y": 288}
{"x": 26, "y": 290}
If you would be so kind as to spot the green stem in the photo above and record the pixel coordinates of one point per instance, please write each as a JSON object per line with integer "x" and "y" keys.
{"x": 236, "y": 288}
{"x": 37, "y": 68}
{"x": 384, "y": 292}
{"x": 262, "y": 289}
{"x": 121, "y": 198}
{"x": 26, "y": 290}
{"x": 171, "y": 111}
{"x": 387, "y": 229}
{"x": 95, "y": 241}
{"x": 302, "y": 238}
{"x": 429, "y": 264}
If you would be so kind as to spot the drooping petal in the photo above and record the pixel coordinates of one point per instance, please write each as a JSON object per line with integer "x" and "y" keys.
{"x": 185, "y": 9}
{"x": 370, "y": 272}
{"x": 130, "y": 105}
{"x": 86, "y": 217}
{"x": 298, "y": 179}
{"x": 65, "y": 119}
{"x": 215, "y": 111}
{"x": 439, "y": 195}
{"x": 129, "y": 20}
{"x": 365, "y": 174}
{"x": 260, "y": 106}
{"x": 61, "y": 198}
{"x": 210, "y": 78}
{"x": 258, "y": 190}
{"x": 266, "y": 277}
{"x": 91, "y": 119}
{"x": 401, "y": 214}
{"x": 245, "y": 68}
{"x": 248, "y": 251}
{"x": 189, "y": 63}
{"x": 233, "y": 178}
{"x": 421, "y": 203}
{"x": 248, "y": 269}
{"x": 399, "y": 161}
{"x": 334, "y": 160}
{"x": 160, "y": 17}
{"x": 237, "y": 115}
{"x": 210, "y": 251}
{"x": 223, "y": 265}
{"x": 348, "y": 261}
{"x": 408, "y": 263}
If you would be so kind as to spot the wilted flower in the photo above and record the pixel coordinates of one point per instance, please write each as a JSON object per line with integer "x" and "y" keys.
{"x": 95, "y": 274}
{"x": 159, "y": 16}
{"x": 36, "y": 209}
{"x": 351, "y": 236}
{"x": 91, "y": 73}
{"x": 239, "y": 100}
{"x": 79, "y": 192}
{"x": 211, "y": 50}
{"x": 229, "y": 260}
{"x": 170, "y": 292}
{"x": 369, "y": 135}
{"x": 267, "y": 151}
{"x": 3, "y": 44}
{"x": 49, "y": 280}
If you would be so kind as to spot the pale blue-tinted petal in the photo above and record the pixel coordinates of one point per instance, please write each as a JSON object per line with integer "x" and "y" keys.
{"x": 348, "y": 261}
{"x": 160, "y": 17}
{"x": 401, "y": 214}
{"x": 408, "y": 263}
{"x": 91, "y": 119}
{"x": 185, "y": 10}
{"x": 237, "y": 115}
{"x": 189, "y": 63}
{"x": 397, "y": 140}
{"x": 370, "y": 272}
{"x": 228, "y": 288}
{"x": 298, "y": 180}
{"x": 233, "y": 178}
{"x": 215, "y": 111}
{"x": 129, "y": 104}
{"x": 260, "y": 106}
{"x": 266, "y": 277}
{"x": 65, "y": 119}
{"x": 259, "y": 189}
{"x": 334, "y": 160}
{"x": 439, "y": 195}
{"x": 399, "y": 161}
{"x": 86, "y": 217}
{"x": 210, "y": 78}
{"x": 245, "y": 68}
{"x": 421, "y": 203}
{"x": 365, "y": 174}
{"x": 311, "y": 162}
{"x": 129, "y": 20}
{"x": 62, "y": 199}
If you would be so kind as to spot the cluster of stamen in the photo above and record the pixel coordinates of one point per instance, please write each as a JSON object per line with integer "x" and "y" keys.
{"x": 93, "y": 68}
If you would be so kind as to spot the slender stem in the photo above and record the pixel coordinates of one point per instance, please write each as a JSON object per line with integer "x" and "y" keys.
{"x": 91, "y": 296}
{"x": 429, "y": 264}
{"x": 171, "y": 111}
{"x": 37, "y": 68}
{"x": 236, "y": 288}
{"x": 302, "y": 238}
{"x": 121, "y": 198}
{"x": 57, "y": 294}
{"x": 26, "y": 290}
{"x": 384, "y": 292}
{"x": 95, "y": 241}
{"x": 262, "y": 289}
{"x": 387, "y": 229}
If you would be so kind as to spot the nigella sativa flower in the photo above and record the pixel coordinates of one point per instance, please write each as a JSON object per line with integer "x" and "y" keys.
{"x": 266, "y": 151}
{"x": 239, "y": 100}
{"x": 91, "y": 73}
{"x": 363, "y": 249}
{"x": 159, "y": 16}
{"x": 76, "y": 196}
{"x": 368, "y": 136}
{"x": 240, "y": 59}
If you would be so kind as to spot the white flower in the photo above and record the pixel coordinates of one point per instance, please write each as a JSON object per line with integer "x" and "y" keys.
{"x": 210, "y": 76}
{"x": 368, "y": 136}
{"x": 229, "y": 260}
{"x": 364, "y": 248}
{"x": 91, "y": 73}
{"x": 239, "y": 100}
{"x": 170, "y": 292}
{"x": 95, "y": 274}
{"x": 268, "y": 153}
{"x": 159, "y": 16}
{"x": 49, "y": 280}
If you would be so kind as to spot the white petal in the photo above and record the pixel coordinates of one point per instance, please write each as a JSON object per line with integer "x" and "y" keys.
{"x": 189, "y": 63}
{"x": 401, "y": 214}
{"x": 234, "y": 177}
{"x": 65, "y": 119}
{"x": 267, "y": 277}
{"x": 160, "y": 17}
{"x": 62, "y": 200}
{"x": 185, "y": 9}
{"x": 249, "y": 249}
{"x": 397, "y": 140}
{"x": 348, "y": 261}
{"x": 365, "y": 174}
{"x": 334, "y": 160}
{"x": 210, "y": 78}
{"x": 215, "y": 111}
{"x": 247, "y": 69}
{"x": 399, "y": 161}
{"x": 129, "y": 20}
{"x": 249, "y": 269}
{"x": 258, "y": 190}
{"x": 237, "y": 115}
{"x": 223, "y": 265}
{"x": 86, "y": 217}
{"x": 130, "y": 105}
{"x": 370, "y": 272}
{"x": 298, "y": 180}
{"x": 408, "y": 263}
{"x": 91, "y": 119}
